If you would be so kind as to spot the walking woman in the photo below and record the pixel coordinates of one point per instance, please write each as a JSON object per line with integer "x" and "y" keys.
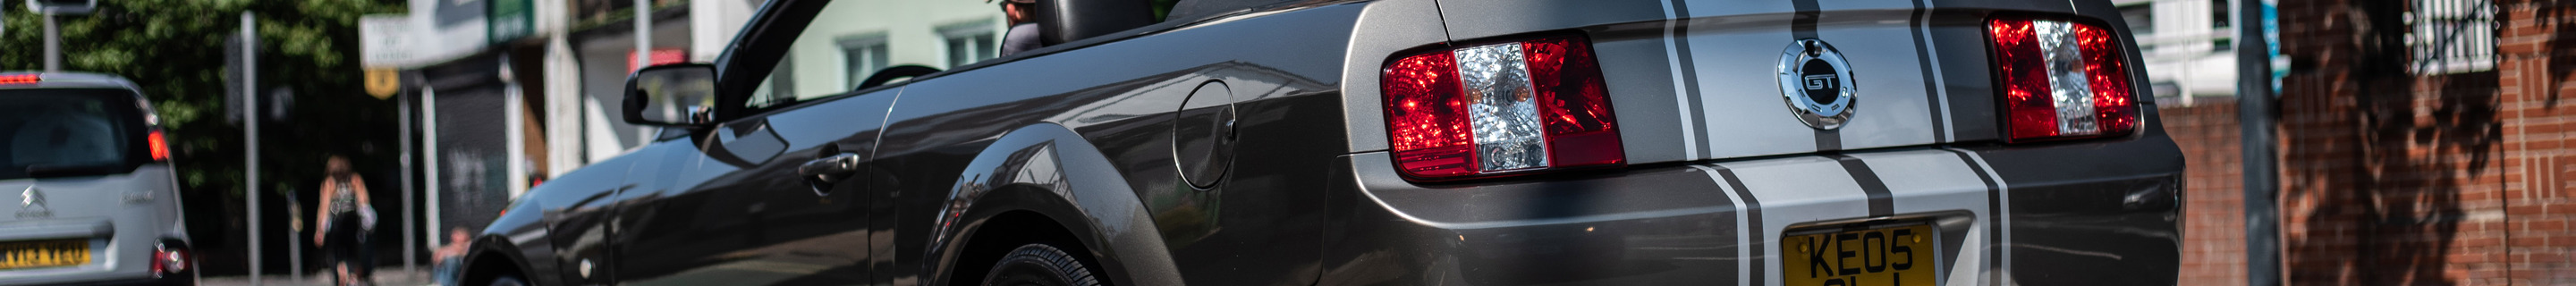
{"x": 345, "y": 218}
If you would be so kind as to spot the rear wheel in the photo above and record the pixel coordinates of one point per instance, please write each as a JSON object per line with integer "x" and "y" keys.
{"x": 1040, "y": 265}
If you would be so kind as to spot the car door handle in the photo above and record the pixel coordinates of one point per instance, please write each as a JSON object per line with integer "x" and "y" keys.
{"x": 828, "y": 170}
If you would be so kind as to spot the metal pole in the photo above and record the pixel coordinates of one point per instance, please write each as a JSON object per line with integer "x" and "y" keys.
{"x": 429, "y": 133}
{"x": 2254, "y": 110}
{"x": 643, "y": 34}
{"x": 404, "y": 111}
{"x": 517, "y": 150}
{"x": 250, "y": 136}
{"x": 295, "y": 246}
{"x": 53, "y": 45}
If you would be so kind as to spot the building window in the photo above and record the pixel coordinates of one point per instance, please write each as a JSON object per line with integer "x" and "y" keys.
{"x": 2219, "y": 21}
{"x": 971, "y": 41}
{"x": 863, "y": 55}
{"x": 2452, "y": 36}
{"x": 2218, "y": 16}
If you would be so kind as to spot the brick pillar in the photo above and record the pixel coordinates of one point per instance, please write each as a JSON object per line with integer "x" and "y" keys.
{"x": 2537, "y": 51}
{"x": 2388, "y": 177}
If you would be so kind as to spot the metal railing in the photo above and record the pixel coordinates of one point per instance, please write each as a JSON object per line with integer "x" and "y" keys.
{"x": 2452, "y": 36}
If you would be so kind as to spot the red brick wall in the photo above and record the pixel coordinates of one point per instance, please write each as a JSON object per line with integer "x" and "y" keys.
{"x": 2537, "y": 72}
{"x": 2213, "y": 249}
{"x": 2395, "y": 178}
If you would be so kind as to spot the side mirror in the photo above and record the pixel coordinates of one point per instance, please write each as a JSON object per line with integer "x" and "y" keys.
{"x": 672, "y": 95}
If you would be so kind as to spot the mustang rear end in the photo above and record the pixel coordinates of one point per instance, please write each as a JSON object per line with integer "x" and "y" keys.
{"x": 1891, "y": 142}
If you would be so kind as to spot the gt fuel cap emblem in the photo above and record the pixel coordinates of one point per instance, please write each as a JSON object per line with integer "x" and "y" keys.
{"x": 1817, "y": 84}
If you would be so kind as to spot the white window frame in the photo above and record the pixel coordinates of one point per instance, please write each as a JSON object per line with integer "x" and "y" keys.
{"x": 2451, "y": 36}
{"x": 967, "y": 42}
{"x": 863, "y": 54}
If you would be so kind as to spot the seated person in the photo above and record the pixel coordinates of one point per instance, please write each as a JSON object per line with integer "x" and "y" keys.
{"x": 1023, "y": 35}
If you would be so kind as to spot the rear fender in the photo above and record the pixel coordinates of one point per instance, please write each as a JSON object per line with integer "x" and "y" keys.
{"x": 518, "y": 237}
{"x": 484, "y": 249}
{"x": 1048, "y": 169}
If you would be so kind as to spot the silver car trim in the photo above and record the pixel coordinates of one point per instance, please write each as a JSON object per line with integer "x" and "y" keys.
{"x": 1683, "y": 94}
{"x": 1998, "y": 226}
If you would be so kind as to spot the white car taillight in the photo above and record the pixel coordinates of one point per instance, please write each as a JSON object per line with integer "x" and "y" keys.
{"x": 2061, "y": 80}
{"x": 1500, "y": 108}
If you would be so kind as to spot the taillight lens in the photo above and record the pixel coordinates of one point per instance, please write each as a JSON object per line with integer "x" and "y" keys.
{"x": 167, "y": 259}
{"x": 2061, "y": 80}
{"x": 160, "y": 149}
{"x": 21, "y": 78}
{"x": 1500, "y": 108}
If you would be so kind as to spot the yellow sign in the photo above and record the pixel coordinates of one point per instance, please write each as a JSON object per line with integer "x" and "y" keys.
{"x": 383, "y": 82}
{"x": 1892, "y": 256}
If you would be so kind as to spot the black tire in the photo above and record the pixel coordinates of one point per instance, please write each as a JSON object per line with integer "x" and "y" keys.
{"x": 508, "y": 280}
{"x": 1040, "y": 265}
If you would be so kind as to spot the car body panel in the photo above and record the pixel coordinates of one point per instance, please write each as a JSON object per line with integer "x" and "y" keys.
{"x": 123, "y": 213}
{"x": 732, "y": 209}
{"x": 1702, "y": 81}
{"x": 1083, "y": 134}
{"x": 1670, "y": 224}
{"x": 120, "y": 230}
{"x": 1047, "y": 169}
{"x": 949, "y": 121}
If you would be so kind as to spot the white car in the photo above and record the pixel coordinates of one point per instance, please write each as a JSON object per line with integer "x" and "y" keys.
{"x": 92, "y": 195}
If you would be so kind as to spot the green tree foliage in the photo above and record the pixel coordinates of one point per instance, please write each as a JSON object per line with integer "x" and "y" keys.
{"x": 174, "y": 49}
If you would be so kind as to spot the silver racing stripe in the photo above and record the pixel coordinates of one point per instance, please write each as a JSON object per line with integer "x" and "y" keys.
{"x": 1674, "y": 55}
{"x": 1748, "y": 217}
{"x": 1790, "y": 191}
{"x": 1931, "y": 181}
{"x": 1998, "y": 228}
{"x": 1737, "y": 47}
{"x": 1775, "y": 195}
{"x": 1924, "y": 52}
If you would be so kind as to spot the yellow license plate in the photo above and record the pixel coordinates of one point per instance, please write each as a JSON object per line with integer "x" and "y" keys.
{"x": 1901, "y": 255}
{"x": 50, "y": 253}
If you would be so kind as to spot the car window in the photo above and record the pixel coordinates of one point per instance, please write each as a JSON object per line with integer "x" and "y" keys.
{"x": 853, "y": 39}
{"x": 65, "y": 128}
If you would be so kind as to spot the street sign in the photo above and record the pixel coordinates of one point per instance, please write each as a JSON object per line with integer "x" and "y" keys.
{"x": 388, "y": 41}
{"x": 510, "y": 20}
{"x": 383, "y": 82}
{"x": 62, "y": 7}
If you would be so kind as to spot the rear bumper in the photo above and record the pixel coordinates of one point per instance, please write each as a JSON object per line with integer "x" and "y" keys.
{"x": 2079, "y": 213}
{"x": 170, "y": 280}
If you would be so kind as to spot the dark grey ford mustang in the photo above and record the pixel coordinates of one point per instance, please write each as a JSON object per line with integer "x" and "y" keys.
{"x": 1316, "y": 142}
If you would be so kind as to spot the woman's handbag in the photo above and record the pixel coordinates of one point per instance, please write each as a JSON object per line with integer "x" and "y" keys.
{"x": 366, "y": 217}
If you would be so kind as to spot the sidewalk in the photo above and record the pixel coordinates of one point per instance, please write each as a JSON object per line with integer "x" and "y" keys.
{"x": 390, "y": 276}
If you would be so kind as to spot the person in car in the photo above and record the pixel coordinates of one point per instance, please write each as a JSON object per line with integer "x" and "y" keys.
{"x": 1023, "y": 35}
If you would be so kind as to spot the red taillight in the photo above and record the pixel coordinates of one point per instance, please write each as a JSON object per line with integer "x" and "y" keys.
{"x": 1426, "y": 117}
{"x": 2061, "y": 80}
{"x": 160, "y": 149}
{"x": 1500, "y": 108}
{"x": 168, "y": 260}
{"x": 21, "y": 78}
{"x": 1575, "y": 103}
